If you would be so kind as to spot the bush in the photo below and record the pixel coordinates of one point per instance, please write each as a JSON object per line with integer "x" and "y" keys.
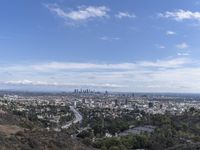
{"x": 84, "y": 134}
{"x": 87, "y": 141}
{"x": 114, "y": 148}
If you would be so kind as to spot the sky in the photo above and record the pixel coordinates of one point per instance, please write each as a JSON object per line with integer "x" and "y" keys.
{"x": 114, "y": 45}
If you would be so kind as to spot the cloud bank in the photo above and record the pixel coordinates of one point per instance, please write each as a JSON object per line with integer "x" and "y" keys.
{"x": 169, "y": 75}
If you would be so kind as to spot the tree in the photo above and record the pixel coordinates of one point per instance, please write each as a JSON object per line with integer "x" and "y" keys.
{"x": 114, "y": 148}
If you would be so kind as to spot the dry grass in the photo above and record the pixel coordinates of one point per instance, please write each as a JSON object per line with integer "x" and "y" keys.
{"x": 9, "y": 129}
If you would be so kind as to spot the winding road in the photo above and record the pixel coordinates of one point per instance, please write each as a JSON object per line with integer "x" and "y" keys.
{"x": 78, "y": 118}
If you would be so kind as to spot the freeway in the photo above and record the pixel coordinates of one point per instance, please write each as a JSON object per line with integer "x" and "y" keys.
{"x": 78, "y": 118}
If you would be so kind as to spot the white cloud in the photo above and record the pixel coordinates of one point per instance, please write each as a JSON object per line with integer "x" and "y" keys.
{"x": 121, "y": 15}
{"x": 183, "y": 54}
{"x": 105, "y": 38}
{"x": 26, "y": 82}
{"x": 180, "y": 15}
{"x": 55, "y": 84}
{"x": 175, "y": 74}
{"x": 160, "y": 46}
{"x": 171, "y": 63}
{"x": 170, "y": 33}
{"x": 65, "y": 66}
{"x": 79, "y": 66}
{"x": 81, "y": 13}
{"x": 182, "y": 45}
{"x": 42, "y": 83}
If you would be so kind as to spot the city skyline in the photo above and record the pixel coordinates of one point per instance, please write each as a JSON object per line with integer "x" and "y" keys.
{"x": 129, "y": 46}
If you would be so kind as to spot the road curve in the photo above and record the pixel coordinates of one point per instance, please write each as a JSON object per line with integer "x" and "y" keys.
{"x": 78, "y": 118}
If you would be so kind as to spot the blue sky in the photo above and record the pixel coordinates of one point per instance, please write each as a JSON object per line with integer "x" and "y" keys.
{"x": 130, "y": 45}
